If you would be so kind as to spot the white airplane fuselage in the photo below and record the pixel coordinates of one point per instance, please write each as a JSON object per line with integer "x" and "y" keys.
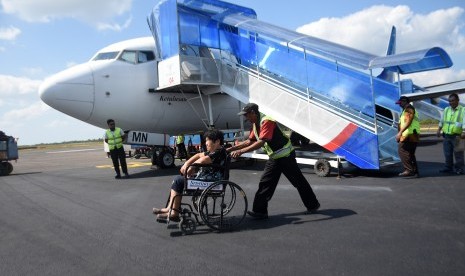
{"x": 125, "y": 91}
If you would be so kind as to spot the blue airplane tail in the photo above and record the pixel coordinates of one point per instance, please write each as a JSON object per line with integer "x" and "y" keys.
{"x": 386, "y": 74}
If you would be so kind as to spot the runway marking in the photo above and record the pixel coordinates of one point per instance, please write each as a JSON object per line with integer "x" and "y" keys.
{"x": 351, "y": 188}
{"x": 68, "y": 151}
{"x": 342, "y": 188}
{"x": 130, "y": 165}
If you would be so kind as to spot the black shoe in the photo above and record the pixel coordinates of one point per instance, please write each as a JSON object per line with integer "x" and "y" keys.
{"x": 126, "y": 175}
{"x": 409, "y": 174}
{"x": 257, "y": 215}
{"x": 459, "y": 171}
{"x": 412, "y": 175}
{"x": 406, "y": 173}
{"x": 117, "y": 176}
{"x": 313, "y": 210}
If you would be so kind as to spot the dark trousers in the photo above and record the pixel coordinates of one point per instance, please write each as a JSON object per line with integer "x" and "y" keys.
{"x": 270, "y": 178}
{"x": 406, "y": 152}
{"x": 450, "y": 153}
{"x": 181, "y": 150}
{"x": 119, "y": 154}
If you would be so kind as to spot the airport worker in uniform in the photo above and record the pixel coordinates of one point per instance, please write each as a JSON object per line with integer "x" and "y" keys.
{"x": 115, "y": 137}
{"x": 451, "y": 126}
{"x": 407, "y": 137}
{"x": 181, "y": 147}
{"x": 266, "y": 133}
{"x": 215, "y": 154}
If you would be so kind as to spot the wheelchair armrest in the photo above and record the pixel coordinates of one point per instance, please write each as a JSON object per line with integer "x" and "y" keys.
{"x": 212, "y": 165}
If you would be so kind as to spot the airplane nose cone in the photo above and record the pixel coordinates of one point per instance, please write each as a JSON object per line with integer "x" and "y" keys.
{"x": 70, "y": 91}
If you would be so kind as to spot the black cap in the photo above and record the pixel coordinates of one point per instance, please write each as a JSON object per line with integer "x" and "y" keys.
{"x": 248, "y": 108}
{"x": 403, "y": 98}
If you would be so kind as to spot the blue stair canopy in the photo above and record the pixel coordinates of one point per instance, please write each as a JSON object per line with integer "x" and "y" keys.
{"x": 314, "y": 68}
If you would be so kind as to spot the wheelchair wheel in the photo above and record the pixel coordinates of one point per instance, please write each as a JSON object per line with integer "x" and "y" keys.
{"x": 223, "y": 205}
{"x": 187, "y": 225}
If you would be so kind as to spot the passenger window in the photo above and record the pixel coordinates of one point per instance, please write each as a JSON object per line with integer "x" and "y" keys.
{"x": 145, "y": 56}
{"x": 129, "y": 56}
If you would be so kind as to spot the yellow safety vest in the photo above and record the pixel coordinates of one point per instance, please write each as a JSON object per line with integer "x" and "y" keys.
{"x": 114, "y": 138}
{"x": 452, "y": 123}
{"x": 285, "y": 151}
{"x": 179, "y": 139}
{"x": 415, "y": 125}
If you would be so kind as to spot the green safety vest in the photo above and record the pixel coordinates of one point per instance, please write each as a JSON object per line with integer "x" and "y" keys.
{"x": 179, "y": 139}
{"x": 285, "y": 151}
{"x": 114, "y": 138}
{"x": 449, "y": 125}
{"x": 415, "y": 125}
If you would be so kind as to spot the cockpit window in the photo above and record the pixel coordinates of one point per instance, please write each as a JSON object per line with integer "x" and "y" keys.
{"x": 145, "y": 56}
{"x": 137, "y": 56}
{"x": 128, "y": 56}
{"x": 106, "y": 56}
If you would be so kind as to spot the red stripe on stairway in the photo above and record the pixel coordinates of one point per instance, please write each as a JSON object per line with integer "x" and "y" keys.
{"x": 341, "y": 138}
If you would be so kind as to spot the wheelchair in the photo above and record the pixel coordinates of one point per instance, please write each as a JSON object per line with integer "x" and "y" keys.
{"x": 219, "y": 204}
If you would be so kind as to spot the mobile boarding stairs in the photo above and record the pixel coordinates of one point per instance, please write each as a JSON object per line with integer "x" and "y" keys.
{"x": 324, "y": 91}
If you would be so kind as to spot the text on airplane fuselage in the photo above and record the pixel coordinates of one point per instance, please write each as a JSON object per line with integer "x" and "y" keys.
{"x": 139, "y": 137}
{"x": 172, "y": 99}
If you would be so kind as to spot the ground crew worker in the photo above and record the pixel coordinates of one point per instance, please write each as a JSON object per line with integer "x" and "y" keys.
{"x": 407, "y": 138}
{"x": 451, "y": 126}
{"x": 266, "y": 133}
{"x": 115, "y": 137}
{"x": 181, "y": 147}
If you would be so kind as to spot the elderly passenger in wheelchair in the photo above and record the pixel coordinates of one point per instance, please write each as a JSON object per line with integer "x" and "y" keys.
{"x": 215, "y": 154}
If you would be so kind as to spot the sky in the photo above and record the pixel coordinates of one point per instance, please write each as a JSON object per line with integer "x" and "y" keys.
{"x": 39, "y": 38}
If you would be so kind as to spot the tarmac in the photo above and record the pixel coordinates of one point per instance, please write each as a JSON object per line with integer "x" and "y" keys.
{"x": 63, "y": 213}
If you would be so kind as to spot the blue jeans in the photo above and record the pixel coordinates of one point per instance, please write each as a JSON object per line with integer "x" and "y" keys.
{"x": 449, "y": 153}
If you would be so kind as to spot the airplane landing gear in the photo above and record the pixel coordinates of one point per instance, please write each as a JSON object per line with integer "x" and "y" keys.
{"x": 162, "y": 157}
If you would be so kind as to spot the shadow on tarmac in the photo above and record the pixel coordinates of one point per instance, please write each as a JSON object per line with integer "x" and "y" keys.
{"x": 426, "y": 169}
{"x": 295, "y": 218}
{"x": 155, "y": 172}
{"x": 26, "y": 173}
{"x": 250, "y": 224}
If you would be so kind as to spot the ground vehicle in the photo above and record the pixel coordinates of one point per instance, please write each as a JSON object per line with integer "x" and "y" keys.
{"x": 221, "y": 205}
{"x": 8, "y": 152}
{"x": 140, "y": 151}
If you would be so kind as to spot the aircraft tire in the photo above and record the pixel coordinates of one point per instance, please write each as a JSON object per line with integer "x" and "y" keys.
{"x": 165, "y": 159}
{"x": 322, "y": 168}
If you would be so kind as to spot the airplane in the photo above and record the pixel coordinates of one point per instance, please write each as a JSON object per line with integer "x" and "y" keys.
{"x": 119, "y": 82}
{"x": 130, "y": 82}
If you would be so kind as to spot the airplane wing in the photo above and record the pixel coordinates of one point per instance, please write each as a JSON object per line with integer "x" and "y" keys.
{"x": 437, "y": 91}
